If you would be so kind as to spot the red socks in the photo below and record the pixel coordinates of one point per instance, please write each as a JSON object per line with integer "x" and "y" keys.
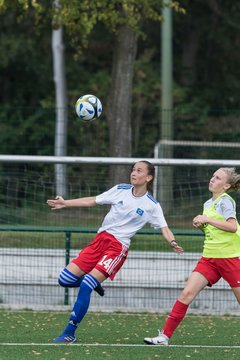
{"x": 175, "y": 317}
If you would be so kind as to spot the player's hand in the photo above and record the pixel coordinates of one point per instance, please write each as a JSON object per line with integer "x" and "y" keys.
{"x": 57, "y": 203}
{"x": 177, "y": 248}
{"x": 199, "y": 221}
{"x": 197, "y": 224}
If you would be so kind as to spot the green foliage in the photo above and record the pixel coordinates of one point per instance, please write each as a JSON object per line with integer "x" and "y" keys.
{"x": 207, "y": 36}
{"x": 27, "y": 96}
{"x": 17, "y": 130}
{"x": 81, "y": 17}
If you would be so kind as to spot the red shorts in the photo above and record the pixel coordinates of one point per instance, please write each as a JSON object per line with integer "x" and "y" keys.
{"x": 105, "y": 253}
{"x": 213, "y": 269}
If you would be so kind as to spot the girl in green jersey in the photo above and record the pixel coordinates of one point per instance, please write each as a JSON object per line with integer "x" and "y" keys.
{"x": 221, "y": 253}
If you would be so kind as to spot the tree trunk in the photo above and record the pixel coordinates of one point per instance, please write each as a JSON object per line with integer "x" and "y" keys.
{"x": 189, "y": 54}
{"x": 120, "y": 101}
{"x": 61, "y": 109}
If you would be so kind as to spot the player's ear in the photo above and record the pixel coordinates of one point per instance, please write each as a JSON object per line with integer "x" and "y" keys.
{"x": 227, "y": 186}
{"x": 149, "y": 178}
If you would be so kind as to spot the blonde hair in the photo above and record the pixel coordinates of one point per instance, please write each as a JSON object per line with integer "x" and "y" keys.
{"x": 233, "y": 178}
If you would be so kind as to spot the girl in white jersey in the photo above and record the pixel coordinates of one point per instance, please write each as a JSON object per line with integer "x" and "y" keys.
{"x": 132, "y": 206}
{"x": 221, "y": 253}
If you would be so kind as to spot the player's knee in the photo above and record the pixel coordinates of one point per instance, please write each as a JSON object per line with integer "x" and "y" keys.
{"x": 61, "y": 283}
{"x": 186, "y": 296}
{"x": 68, "y": 279}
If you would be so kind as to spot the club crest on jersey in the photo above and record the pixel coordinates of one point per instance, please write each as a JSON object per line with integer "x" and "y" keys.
{"x": 139, "y": 211}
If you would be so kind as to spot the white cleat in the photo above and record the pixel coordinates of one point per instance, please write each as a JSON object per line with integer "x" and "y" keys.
{"x": 161, "y": 339}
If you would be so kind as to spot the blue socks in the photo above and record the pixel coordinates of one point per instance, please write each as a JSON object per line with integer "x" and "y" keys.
{"x": 68, "y": 279}
{"x": 81, "y": 305}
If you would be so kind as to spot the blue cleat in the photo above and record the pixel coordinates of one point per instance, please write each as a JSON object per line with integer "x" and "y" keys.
{"x": 65, "y": 338}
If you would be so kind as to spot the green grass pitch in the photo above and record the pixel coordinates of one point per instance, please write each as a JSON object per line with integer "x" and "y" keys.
{"x": 28, "y": 335}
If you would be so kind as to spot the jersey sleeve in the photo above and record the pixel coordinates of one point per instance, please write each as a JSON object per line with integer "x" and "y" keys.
{"x": 157, "y": 219}
{"x": 107, "y": 197}
{"x": 228, "y": 208}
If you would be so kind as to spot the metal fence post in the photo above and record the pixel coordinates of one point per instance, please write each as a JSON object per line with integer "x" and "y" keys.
{"x": 67, "y": 259}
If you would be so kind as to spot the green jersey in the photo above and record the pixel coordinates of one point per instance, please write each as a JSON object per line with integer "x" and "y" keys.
{"x": 219, "y": 243}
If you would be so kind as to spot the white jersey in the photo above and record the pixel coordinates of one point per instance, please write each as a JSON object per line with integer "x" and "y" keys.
{"x": 129, "y": 213}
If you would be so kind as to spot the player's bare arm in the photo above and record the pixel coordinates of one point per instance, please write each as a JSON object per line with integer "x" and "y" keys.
{"x": 60, "y": 203}
{"x": 169, "y": 237}
{"x": 229, "y": 225}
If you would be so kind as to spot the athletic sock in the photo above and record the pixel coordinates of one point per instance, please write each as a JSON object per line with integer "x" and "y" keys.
{"x": 82, "y": 303}
{"x": 70, "y": 328}
{"x": 69, "y": 280}
{"x": 175, "y": 317}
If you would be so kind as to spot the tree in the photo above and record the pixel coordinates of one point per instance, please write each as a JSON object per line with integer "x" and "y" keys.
{"x": 125, "y": 19}
{"x": 120, "y": 99}
{"x": 206, "y": 71}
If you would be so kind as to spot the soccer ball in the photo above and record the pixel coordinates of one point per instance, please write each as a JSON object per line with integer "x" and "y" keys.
{"x": 88, "y": 107}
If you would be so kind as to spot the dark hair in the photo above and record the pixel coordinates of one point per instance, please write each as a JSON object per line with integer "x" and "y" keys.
{"x": 151, "y": 171}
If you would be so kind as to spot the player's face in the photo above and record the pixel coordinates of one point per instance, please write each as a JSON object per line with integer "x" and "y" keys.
{"x": 139, "y": 174}
{"x": 218, "y": 184}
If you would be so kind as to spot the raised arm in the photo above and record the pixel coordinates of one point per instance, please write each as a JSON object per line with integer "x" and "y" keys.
{"x": 60, "y": 203}
{"x": 169, "y": 237}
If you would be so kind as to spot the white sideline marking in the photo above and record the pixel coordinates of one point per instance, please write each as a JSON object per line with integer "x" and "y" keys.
{"x": 125, "y": 345}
